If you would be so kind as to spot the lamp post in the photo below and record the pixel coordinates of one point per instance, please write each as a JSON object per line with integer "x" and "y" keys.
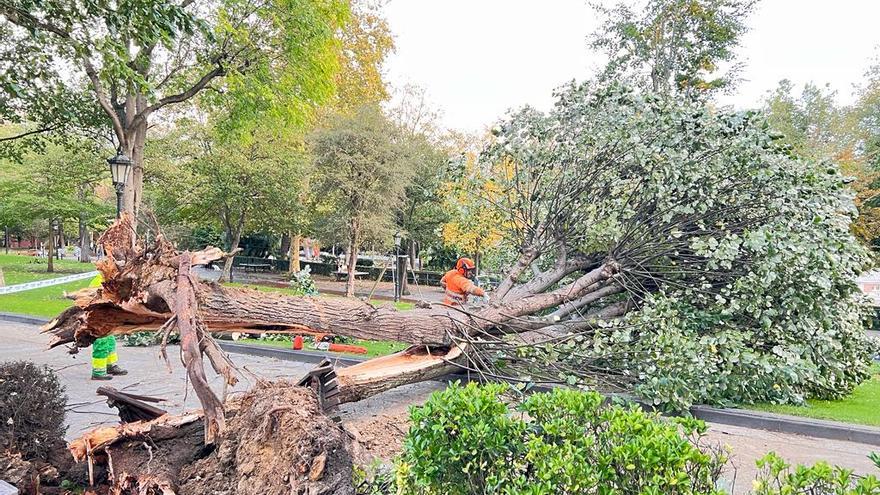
{"x": 120, "y": 165}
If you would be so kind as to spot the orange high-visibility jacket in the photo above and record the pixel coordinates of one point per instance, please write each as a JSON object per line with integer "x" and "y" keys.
{"x": 458, "y": 287}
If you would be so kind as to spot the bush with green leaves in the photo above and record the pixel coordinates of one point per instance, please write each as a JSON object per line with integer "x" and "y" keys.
{"x": 467, "y": 441}
{"x": 147, "y": 339}
{"x": 302, "y": 283}
{"x": 776, "y": 477}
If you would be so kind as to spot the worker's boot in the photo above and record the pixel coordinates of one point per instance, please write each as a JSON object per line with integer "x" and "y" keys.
{"x": 114, "y": 369}
{"x": 101, "y": 376}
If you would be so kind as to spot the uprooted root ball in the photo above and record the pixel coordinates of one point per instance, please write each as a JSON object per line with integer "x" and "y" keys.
{"x": 32, "y": 402}
{"x": 278, "y": 442}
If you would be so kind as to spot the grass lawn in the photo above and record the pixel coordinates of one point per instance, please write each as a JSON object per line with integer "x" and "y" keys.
{"x": 374, "y": 348}
{"x": 18, "y": 269}
{"x": 46, "y": 302}
{"x": 860, "y": 407}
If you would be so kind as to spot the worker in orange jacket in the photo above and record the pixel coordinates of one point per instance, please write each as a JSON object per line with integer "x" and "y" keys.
{"x": 458, "y": 283}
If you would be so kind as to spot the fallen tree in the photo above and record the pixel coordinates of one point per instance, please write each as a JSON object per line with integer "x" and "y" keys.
{"x": 662, "y": 246}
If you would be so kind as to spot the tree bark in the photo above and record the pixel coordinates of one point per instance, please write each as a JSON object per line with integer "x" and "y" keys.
{"x": 352, "y": 257}
{"x": 51, "y": 253}
{"x": 234, "y": 238}
{"x": 85, "y": 253}
{"x": 294, "y": 252}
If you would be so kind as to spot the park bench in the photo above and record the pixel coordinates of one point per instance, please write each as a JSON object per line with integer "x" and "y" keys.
{"x": 339, "y": 274}
{"x": 254, "y": 267}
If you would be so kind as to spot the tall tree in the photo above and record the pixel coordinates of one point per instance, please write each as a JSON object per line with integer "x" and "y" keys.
{"x": 673, "y": 45}
{"x": 361, "y": 171}
{"x": 138, "y": 58}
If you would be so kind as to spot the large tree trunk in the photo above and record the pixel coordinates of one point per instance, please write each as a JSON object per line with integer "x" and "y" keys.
{"x": 50, "y": 267}
{"x": 234, "y": 238}
{"x": 351, "y": 265}
{"x": 85, "y": 254}
{"x": 136, "y": 138}
{"x": 294, "y": 252}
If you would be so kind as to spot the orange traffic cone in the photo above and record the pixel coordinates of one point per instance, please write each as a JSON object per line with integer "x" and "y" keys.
{"x": 298, "y": 343}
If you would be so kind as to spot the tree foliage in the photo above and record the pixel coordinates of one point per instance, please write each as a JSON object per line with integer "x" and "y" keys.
{"x": 237, "y": 185}
{"x": 720, "y": 267}
{"x": 61, "y": 183}
{"x": 673, "y": 45}
{"x": 816, "y": 127}
{"x": 273, "y": 60}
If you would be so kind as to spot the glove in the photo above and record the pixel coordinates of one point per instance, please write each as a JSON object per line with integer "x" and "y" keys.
{"x": 486, "y": 298}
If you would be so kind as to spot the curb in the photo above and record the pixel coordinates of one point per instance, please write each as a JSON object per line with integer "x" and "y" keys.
{"x": 28, "y": 320}
{"x": 829, "y": 430}
{"x": 817, "y": 428}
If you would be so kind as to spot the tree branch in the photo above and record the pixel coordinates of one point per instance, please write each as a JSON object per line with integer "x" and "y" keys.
{"x": 529, "y": 255}
{"x": 28, "y": 133}
{"x": 177, "y": 98}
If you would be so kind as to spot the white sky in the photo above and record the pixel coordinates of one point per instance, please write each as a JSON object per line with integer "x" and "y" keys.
{"x": 478, "y": 58}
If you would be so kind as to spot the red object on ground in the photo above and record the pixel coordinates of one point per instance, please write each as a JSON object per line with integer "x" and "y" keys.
{"x": 298, "y": 343}
{"x": 347, "y": 348}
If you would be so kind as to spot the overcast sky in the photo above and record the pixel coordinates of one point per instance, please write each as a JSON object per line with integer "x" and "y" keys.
{"x": 477, "y": 58}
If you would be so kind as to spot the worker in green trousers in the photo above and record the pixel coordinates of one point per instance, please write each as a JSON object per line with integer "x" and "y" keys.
{"x": 104, "y": 359}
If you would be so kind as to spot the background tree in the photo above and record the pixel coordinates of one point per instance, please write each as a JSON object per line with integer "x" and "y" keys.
{"x": 55, "y": 186}
{"x": 362, "y": 174}
{"x": 242, "y": 184}
{"x": 673, "y": 45}
{"x": 816, "y": 127}
{"x": 138, "y": 58}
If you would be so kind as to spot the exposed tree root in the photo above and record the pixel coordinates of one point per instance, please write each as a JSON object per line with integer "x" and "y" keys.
{"x": 278, "y": 441}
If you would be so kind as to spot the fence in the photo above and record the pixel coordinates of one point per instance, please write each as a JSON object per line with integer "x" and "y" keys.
{"x": 10, "y": 289}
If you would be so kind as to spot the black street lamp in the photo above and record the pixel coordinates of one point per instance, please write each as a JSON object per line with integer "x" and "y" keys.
{"x": 120, "y": 165}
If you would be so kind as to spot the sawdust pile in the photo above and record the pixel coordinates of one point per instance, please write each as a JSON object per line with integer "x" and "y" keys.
{"x": 277, "y": 442}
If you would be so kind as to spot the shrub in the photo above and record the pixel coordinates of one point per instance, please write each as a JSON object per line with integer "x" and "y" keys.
{"x": 148, "y": 338}
{"x": 32, "y": 403}
{"x": 302, "y": 282}
{"x": 777, "y": 478}
{"x": 466, "y": 440}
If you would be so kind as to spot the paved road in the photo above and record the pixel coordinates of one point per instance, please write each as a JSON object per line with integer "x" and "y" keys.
{"x": 148, "y": 375}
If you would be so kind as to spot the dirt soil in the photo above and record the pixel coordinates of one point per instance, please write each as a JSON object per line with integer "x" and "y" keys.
{"x": 278, "y": 442}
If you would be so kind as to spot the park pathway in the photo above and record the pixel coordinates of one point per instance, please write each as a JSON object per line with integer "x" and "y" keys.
{"x": 38, "y": 284}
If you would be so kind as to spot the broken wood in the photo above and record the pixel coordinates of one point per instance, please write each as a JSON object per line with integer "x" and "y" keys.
{"x": 131, "y": 407}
